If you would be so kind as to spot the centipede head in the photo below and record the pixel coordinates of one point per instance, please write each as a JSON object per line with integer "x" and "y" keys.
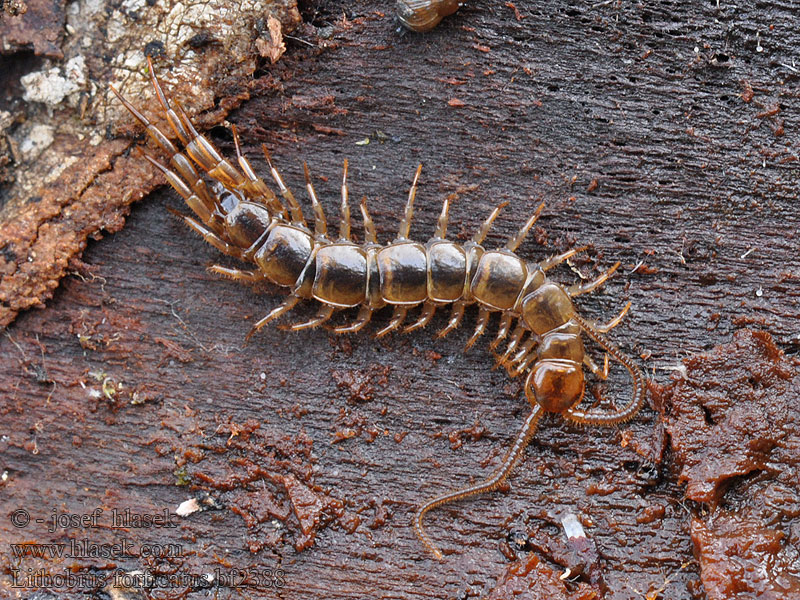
{"x": 555, "y": 384}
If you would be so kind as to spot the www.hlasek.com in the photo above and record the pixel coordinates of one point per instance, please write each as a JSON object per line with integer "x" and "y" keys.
{"x": 86, "y": 548}
{"x": 66, "y": 579}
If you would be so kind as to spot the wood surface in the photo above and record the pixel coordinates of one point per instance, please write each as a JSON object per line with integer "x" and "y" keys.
{"x": 663, "y": 135}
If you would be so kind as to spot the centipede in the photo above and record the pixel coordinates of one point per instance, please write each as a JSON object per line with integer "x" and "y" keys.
{"x": 424, "y": 15}
{"x": 238, "y": 214}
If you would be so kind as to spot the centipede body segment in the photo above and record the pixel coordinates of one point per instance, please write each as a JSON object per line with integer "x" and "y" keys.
{"x": 238, "y": 214}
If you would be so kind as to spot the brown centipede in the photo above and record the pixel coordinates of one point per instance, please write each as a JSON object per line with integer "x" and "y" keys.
{"x": 241, "y": 216}
{"x": 424, "y": 15}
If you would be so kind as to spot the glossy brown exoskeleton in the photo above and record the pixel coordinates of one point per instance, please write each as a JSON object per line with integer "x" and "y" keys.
{"x": 240, "y": 216}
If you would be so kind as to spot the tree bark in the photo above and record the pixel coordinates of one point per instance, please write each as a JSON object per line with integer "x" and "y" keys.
{"x": 660, "y": 135}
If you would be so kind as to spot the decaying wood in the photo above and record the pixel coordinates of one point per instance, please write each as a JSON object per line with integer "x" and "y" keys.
{"x": 62, "y": 139}
{"x": 663, "y": 135}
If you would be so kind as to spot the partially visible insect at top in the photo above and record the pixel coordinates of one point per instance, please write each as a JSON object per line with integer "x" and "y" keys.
{"x": 240, "y": 216}
{"x": 424, "y": 15}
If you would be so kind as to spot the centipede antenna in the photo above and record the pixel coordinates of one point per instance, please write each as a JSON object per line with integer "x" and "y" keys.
{"x": 370, "y": 234}
{"x": 515, "y": 241}
{"x": 405, "y": 224}
{"x": 294, "y": 205}
{"x": 637, "y": 396}
{"x": 320, "y": 224}
{"x": 489, "y": 485}
{"x": 344, "y": 225}
{"x": 487, "y": 224}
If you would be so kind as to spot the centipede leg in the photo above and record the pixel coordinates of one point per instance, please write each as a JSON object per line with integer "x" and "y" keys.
{"x": 213, "y": 238}
{"x": 197, "y": 147}
{"x": 600, "y": 373}
{"x": 428, "y": 309}
{"x": 515, "y": 241}
{"x": 203, "y": 152}
{"x": 287, "y": 305}
{"x": 487, "y": 224}
{"x": 238, "y": 274}
{"x": 344, "y": 225}
{"x": 613, "y": 322}
{"x": 489, "y": 485}
{"x": 362, "y": 318}
{"x": 370, "y": 234}
{"x": 578, "y": 289}
{"x": 524, "y": 365}
{"x": 177, "y": 160}
{"x": 320, "y": 224}
{"x": 516, "y": 338}
{"x": 294, "y": 205}
{"x": 398, "y": 317}
{"x": 515, "y": 366}
{"x": 256, "y": 187}
{"x": 441, "y": 224}
{"x": 502, "y": 330}
{"x": 172, "y": 117}
{"x": 325, "y": 312}
{"x": 553, "y": 261}
{"x": 455, "y": 319}
{"x": 405, "y": 224}
{"x": 480, "y": 327}
{"x": 193, "y": 201}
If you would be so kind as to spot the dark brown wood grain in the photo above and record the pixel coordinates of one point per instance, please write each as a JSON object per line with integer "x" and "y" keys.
{"x": 664, "y": 135}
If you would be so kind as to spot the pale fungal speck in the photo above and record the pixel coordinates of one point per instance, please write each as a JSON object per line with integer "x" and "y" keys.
{"x": 572, "y": 527}
{"x": 187, "y": 507}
